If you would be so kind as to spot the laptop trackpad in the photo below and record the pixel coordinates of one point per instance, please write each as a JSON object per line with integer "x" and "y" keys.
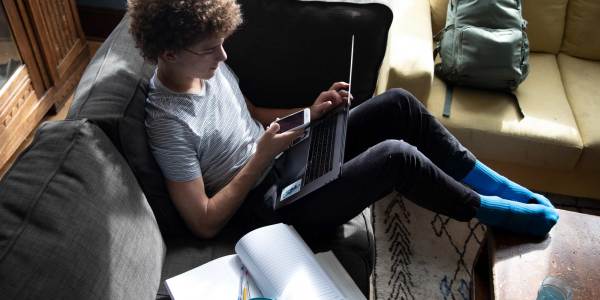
{"x": 291, "y": 165}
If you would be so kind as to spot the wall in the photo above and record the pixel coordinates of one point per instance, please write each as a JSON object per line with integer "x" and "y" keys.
{"x": 100, "y": 17}
{"x": 110, "y": 4}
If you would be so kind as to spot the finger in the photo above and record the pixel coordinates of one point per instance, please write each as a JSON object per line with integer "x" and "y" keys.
{"x": 289, "y": 136}
{"x": 323, "y": 107}
{"x": 296, "y": 133}
{"x": 339, "y": 86}
{"x": 325, "y": 104}
{"x": 337, "y": 98}
{"x": 273, "y": 128}
{"x": 323, "y": 97}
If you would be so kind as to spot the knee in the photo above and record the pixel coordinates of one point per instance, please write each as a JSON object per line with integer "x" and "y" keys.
{"x": 403, "y": 98}
{"x": 395, "y": 151}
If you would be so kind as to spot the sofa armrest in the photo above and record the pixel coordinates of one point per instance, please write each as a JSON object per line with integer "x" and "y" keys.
{"x": 408, "y": 62}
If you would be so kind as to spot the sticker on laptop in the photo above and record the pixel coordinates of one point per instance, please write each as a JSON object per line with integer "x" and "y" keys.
{"x": 291, "y": 189}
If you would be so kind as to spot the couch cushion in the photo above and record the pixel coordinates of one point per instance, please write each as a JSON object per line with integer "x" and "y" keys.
{"x": 581, "y": 79}
{"x": 287, "y": 52}
{"x": 546, "y": 23}
{"x": 408, "y": 67}
{"x": 112, "y": 93}
{"x": 74, "y": 224}
{"x": 582, "y": 32}
{"x": 488, "y": 123}
{"x": 439, "y": 9}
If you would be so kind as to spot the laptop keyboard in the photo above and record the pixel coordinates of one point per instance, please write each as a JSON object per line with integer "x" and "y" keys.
{"x": 320, "y": 155}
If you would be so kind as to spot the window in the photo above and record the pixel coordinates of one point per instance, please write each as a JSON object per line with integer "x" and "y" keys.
{"x": 10, "y": 59}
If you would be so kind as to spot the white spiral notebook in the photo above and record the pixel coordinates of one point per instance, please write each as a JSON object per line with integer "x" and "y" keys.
{"x": 279, "y": 265}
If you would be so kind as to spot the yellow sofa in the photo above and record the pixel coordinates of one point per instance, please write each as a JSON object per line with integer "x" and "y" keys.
{"x": 556, "y": 146}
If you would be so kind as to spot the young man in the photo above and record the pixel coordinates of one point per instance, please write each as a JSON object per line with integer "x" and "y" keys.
{"x": 213, "y": 148}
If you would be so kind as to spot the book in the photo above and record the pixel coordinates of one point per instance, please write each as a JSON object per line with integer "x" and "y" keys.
{"x": 271, "y": 262}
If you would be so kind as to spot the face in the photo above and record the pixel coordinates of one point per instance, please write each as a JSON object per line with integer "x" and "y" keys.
{"x": 199, "y": 60}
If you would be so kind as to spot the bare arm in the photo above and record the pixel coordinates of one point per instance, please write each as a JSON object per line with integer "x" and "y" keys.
{"x": 206, "y": 216}
{"x": 326, "y": 101}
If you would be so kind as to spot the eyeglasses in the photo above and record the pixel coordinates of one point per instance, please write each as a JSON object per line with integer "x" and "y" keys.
{"x": 198, "y": 53}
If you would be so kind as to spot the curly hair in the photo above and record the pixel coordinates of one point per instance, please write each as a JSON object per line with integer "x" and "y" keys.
{"x": 160, "y": 25}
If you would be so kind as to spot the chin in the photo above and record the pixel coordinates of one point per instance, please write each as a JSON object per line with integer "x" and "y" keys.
{"x": 208, "y": 74}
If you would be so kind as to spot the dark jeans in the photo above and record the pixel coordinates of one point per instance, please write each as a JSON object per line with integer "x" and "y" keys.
{"x": 392, "y": 143}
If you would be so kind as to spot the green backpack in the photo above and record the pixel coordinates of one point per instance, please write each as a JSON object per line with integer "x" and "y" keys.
{"x": 483, "y": 45}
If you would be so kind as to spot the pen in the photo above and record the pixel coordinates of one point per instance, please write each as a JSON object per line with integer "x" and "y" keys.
{"x": 246, "y": 286}
{"x": 241, "y": 289}
{"x": 247, "y": 283}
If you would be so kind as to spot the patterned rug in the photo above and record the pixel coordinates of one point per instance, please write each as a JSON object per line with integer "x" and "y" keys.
{"x": 421, "y": 254}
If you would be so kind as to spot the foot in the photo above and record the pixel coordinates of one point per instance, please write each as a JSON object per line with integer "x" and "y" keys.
{"x": 487, "y": 182}
{"x": 531, "y": 219}
{"x": 540, "y": 199}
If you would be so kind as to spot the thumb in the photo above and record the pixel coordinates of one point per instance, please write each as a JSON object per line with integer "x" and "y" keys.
{"x": 324, "y": 105}
{"x": 273, "y": 128}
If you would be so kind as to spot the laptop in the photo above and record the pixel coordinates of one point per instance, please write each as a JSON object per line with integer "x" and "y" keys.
{"x": 316, "y": 159}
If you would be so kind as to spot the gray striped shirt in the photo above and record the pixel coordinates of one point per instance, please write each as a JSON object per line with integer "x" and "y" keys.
{"x": 210, "y": 134}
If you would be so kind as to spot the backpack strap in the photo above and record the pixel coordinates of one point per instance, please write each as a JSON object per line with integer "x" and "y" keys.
{"x": 516, "y": 100}
{"x": 448, "y": 100}
{"x": 450, "y": 93}
{"x": 437, "y": 38}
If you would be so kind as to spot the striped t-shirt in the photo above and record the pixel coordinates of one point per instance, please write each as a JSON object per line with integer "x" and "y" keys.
{"x": 209, "y": 134}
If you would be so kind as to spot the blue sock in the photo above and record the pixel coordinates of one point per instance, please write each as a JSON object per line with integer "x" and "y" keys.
{"x": 532, "y": 219}
{"x": 487, "y": 182}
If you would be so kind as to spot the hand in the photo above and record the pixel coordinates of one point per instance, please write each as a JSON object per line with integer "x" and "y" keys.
{"x": 335, "y": 96}
{"x": 271, "y": 143}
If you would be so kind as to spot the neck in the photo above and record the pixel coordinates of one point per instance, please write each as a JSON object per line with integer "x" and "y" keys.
{"x": 178, "y": 82}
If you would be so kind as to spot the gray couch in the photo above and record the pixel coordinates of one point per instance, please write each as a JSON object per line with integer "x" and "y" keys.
{"x": 84, "y": 212}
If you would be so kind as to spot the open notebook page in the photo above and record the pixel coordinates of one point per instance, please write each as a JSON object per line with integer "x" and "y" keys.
{"x": 283, "y": 266}
{"x": 217, "y": 279}
{"x": 338, "y": 274}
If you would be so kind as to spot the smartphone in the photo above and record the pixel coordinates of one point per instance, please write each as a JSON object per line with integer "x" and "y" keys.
{"x": 294, "y": 121}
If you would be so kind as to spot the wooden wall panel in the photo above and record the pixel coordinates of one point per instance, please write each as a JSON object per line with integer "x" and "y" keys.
{"x": 59, "y": 34}
{"x": 27, "y": 45}
{"x": 20, "y": 111}
{"x": 54, "y": 50}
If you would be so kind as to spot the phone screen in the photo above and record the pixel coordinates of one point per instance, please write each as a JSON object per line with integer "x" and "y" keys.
{"x": 291, "y": 121}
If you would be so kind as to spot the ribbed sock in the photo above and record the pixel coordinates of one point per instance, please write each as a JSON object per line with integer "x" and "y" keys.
{"x": 487, "y": 182}
{"x": 532, "y": 219}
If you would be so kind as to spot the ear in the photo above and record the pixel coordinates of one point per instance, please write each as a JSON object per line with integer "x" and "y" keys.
{"x": 169, "y": 56}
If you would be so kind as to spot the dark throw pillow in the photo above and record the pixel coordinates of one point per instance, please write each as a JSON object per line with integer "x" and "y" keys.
{"x": 286, "y": 52}
{"x": 74, "y": 223}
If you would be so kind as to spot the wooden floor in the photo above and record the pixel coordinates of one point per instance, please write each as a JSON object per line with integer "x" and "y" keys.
{"x": 51, "y": 116}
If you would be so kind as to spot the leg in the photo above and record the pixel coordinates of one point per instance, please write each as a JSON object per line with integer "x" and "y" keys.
{"x": 367, "y": 177}
{"x": 487, "y": 182}
{"x": 394, "y": 164}
{"x": 397, "y": 114}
